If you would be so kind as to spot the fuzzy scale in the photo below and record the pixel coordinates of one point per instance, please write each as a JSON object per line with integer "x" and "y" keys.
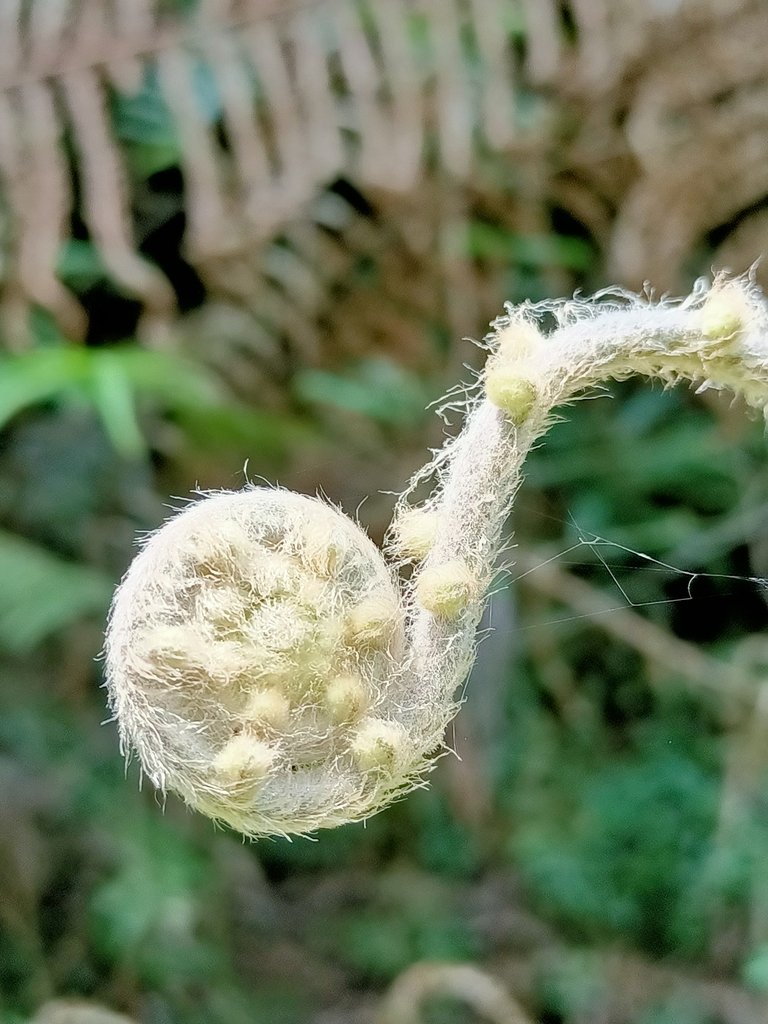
{"x": 265, "y": 661}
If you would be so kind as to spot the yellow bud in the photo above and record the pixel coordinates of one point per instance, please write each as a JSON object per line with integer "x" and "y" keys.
{"x": 318, "y": 550}
{"x": 267, "y": 707}
{"x": 226, "y": 660}
{"x": 218, "y": 553}
{"x": 243, "y": 759}
{"x": 510, "y": 392}
{"x": 224, "y": 607}
{"x": 345, "y": 698}
{"x": 416, "y": 530}
{"x": 372, "y": 622}
{"x": 172, "y": 647}
{"x": 446, "y": 590}
{"x": 724, "y": 314}
{"x": 272, "y": 575}
{"x": 379, "y": 745}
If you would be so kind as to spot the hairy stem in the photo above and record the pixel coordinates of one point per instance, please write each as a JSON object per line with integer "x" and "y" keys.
{"x": 266, "y": 662}
{"x": 714, "y": 339}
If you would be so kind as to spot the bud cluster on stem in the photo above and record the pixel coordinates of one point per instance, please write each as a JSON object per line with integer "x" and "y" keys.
{"x": 271, "y": 667}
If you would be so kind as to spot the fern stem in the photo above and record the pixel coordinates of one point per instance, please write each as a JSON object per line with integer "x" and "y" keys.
{"x": 262, "y": 656}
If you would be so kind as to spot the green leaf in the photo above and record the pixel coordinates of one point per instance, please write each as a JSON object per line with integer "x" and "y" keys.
{"x": 144, "y": 116}
{"x": 489, "y": 241}
{"x": 147, "y": 158}
{"x": 225, "y": 425}
{"x": 146, "y": 913}
{"x": 755, "y": 970}
{"x": 43, "y": 329}
{"x": 172, "y": 378}
{"x": 80, "y": 265}
{"x": 113, "y": 381}
{"x": 376, "y": 388}
{"x": 108, "y": 379}
{"x": 113, "y": 398}
{"x": 38, "y": 376}
{"x": 41, "y": 593}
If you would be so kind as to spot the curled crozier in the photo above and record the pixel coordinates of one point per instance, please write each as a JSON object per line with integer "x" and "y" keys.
{"x": 256, "y": 658}
{"x": 268, "y": 664}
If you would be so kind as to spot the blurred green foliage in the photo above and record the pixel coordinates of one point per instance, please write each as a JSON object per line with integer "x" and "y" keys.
{"x": 48, "y": 595}
{"x": 608, "y": 813}
{"x": 376, "y": 388}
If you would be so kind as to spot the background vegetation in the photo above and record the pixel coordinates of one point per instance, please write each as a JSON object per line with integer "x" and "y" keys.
{"x": 601, "y": 848}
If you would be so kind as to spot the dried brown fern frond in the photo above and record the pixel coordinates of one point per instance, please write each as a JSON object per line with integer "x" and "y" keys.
{"x": 676, "y": 152}
{"x": 403, "y": 98}
{"x": 465, "y": 983}
{"x": 305, "y": 92}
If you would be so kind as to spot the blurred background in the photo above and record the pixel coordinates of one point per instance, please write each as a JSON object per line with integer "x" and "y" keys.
{"x": 244, "y": 239}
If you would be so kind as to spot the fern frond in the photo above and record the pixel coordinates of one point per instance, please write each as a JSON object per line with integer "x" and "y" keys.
{"x": 390, "y": 95}
{"x": 304, "y": 93}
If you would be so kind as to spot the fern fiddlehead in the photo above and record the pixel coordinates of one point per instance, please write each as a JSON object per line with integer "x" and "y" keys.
{"x": 270, "y": 665}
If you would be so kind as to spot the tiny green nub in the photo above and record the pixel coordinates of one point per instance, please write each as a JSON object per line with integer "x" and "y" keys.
{"x": 446, "y": 590}
{"x": 372, "y": 622}
{"x": 416, "y": 530}
{"x": 243, "y": 759}
{"x": 268, "y": 707}
{"x": 511, "y": 393}
{"x": 379, "y": 745}
{"x": 345, "y": 698}
{"x": 725, "y": 313}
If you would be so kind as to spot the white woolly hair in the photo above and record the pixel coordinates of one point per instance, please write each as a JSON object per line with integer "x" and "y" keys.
{"x": 255, "y": 654}
{"x": 270, "y": 666}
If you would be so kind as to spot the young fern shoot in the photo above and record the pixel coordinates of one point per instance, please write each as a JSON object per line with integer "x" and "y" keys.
{"x": 273, "y": 668}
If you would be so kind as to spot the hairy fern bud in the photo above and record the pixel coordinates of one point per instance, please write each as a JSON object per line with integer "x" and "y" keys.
{"x": 268, "y": 664}
{"x": 242, "y": 657}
